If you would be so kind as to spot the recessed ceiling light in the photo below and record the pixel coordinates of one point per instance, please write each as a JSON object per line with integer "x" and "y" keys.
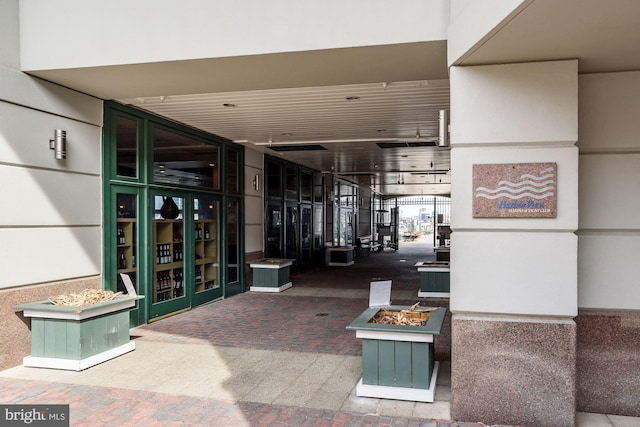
{"x": 352, "y": 98}
{"x": 229, "y": 105}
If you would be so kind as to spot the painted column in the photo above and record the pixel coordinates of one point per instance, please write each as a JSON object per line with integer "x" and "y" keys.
{"x": 514, "y": 213}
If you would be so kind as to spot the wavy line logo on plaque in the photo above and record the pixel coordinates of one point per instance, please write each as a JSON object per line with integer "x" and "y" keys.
{"x": 515, "y": 190}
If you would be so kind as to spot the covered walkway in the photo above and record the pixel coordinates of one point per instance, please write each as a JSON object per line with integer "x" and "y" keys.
{"x": 257, "y": 359}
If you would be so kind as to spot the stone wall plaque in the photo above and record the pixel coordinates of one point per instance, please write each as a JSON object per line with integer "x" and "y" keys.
{"x": 515, "y": 190}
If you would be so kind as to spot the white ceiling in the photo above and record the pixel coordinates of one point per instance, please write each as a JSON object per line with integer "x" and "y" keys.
{"x": 347, "y": 121}
{"x": 300, "y": 97}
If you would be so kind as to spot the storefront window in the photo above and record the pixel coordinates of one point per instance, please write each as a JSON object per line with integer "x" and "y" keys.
{"x": 182, "y": 160}
{"x": 306, "y": 186}
{"x": 318, "y": 188}
{"x": 126, "y": 147}
{"x": 233, "y": 184}
{"x": 233, "y": 210}
{"x": 166, "y": 185}
{"x": 205, "y": 216}
{"x": 126, "y": 240}
{"x": 274, "y": 180}
{"x": 169, "y": 248}
{"x": 291, "y": 180}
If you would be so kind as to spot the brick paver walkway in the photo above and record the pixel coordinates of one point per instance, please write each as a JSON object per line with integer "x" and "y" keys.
{"x": 252, "y": 321}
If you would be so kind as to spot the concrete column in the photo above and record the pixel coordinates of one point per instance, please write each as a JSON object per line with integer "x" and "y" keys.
{"x": 514, "y": 280}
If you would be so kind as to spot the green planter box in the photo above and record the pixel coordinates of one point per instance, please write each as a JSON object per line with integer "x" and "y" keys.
{"x": 434, "y": 279}
{"x": 76, "y": 338}
{"x": 397, "y": 360}
{"x": 341, "y": 255}
{"x": 271, "y": 275}
{"x": 443, "y": 253}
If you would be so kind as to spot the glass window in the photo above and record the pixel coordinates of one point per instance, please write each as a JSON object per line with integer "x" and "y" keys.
{"x": 291, "y": 180}
{"x": 233, "y": 185}
{"x": 181, "y": 160}
{"x": 205, "y": 216}
{"x": 346, "y": 195}
{"x": 274, "y": 180}
{"x": 306, "y": 186}
{"x": 318, "y": 187}
{"x": 291, "y": 231}
{"x": 126, "y": 147}
{"x": 274, "y": 230}
{"x": 233, "y": 210}
{"x": 169, "y": 249}
{"x": 126, "y": 237}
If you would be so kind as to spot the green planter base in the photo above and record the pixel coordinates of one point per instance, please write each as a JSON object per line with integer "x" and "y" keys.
{"x": 434, "y": 279}
{"x": 400, "y": 393}
{"x": 76, "y": 338}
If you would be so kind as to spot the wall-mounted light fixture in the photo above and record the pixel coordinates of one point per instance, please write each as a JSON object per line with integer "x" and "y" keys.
{"x": 443, "y": 127}
{"x": 59, "y": 144}
{"x": 256, "y": 182}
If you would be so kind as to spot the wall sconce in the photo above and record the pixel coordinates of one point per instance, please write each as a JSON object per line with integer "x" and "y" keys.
{"x": 256, "y": 182}
{"x": 443, "y": 128}
{"x": 59, "y": 144}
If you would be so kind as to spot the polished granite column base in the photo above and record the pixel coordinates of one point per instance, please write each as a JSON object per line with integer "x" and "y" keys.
{"x": 608, "y": 362}
{"x": 513, "y": 370}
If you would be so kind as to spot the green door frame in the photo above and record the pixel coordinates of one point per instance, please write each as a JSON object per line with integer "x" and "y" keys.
{"x": 143, "y": 186}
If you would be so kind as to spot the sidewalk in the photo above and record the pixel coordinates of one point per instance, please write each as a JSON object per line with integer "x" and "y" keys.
{"x": 255, "y": 360}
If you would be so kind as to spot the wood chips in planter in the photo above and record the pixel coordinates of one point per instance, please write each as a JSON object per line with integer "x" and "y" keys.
{"x": 86, "y": 297}
{"x": 413, "y": 316}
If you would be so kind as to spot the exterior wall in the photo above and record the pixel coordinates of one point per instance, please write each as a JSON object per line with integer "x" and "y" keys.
{"x": 608, "y": 244}
{"x": 609, "y": 234}
{"x": 194, "y": 29}
{"x": 514, "y": 280}
{"x": 510, "y": 114}
{"x": 254, "y": 210}
{"x": 50, "y": 224}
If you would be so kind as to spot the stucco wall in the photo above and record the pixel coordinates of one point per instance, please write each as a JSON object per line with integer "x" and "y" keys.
{"x": 609, "y": 233}
{"x": 515, "y": 113}
{"x": 254, "y": 202}
{"x": 51, "y": 214}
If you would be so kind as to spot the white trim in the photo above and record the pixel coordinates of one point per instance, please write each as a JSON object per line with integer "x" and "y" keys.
{"x": 82, "y": 312}
{"x": 394, "y": 336}
{"x": 400, "y": 393}
{"x": 271, "y": 265}
{"x": 434, "y": 269}
{"x": 433, "y": 294}
{"x": 340, "y": 248}
{"x": 78, "y": 365}
{"x": 270, "y": 288}
{"x": 344, "y": 264}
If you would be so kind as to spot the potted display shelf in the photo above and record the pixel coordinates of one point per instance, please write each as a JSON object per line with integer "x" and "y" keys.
{"x": 271, "y": 274}
{"x": 434, "y": 279}
{"x": 78, "y": 337}
{"x": 398, "y": 360}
